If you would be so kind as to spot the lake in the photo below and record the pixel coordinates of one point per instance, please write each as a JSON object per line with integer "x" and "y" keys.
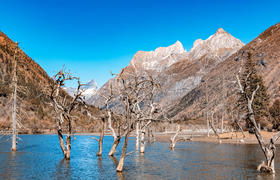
{"x": 40, "y": 157}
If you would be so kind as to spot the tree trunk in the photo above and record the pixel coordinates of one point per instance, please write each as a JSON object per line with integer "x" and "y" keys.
{"x": 142, "y": 141}
{"x": 214, "y": 129}
{"x": 68, "y": 139}
{"x": 65, "y": 150}
{"x": 270, "y": 149}
{"x": 241, "y": 129}
{"x": 121, "y": 161}
{"x": 60, "y": 136}
{"x": 14, "y": 125}
{"x": 173, "y": 139}
{"x": 61, "y": 141}
{"x": 114, "y": 146}
{"x": 150, "y": 135}
{"x": 137, "y": 136}
{"x": 100, "y": 141}
{"x": 68, "y": 146}
{"x": 222, "y": 124}
{"x": 208, "y": 128}
{"x": 116, "y": 138}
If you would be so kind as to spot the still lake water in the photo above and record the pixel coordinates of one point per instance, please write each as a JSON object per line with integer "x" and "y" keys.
{"x": 40, "y": 157}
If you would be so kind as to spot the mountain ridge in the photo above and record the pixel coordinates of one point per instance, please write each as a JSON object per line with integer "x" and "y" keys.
{"x": 176, "y": 68}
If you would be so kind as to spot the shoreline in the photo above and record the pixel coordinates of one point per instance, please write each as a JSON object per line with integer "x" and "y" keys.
{"x": 226, "y": 138}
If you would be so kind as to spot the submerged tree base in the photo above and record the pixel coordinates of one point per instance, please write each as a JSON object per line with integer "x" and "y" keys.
{"x": 262, "y": 168}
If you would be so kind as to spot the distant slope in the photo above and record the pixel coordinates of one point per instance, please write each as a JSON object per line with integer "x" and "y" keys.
{"x": 177, "y": 70}
{"x": 33, "y": 103}
{"x": 265, "y": 48}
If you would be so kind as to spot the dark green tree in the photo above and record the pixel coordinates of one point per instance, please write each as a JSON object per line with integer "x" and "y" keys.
{"x": 249, "y": 80}
{"x": 274, "y": 111}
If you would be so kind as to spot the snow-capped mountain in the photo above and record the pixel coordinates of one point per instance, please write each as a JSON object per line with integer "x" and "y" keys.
{"x": 89, "y": 89}
{"x": 221, "y": 44}
{"x": 177, "y": 70}
{"x": 160, "y": 58}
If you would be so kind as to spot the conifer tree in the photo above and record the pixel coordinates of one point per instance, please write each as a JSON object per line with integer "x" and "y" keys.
{"x": 274, "y": 111}
{"x": 249, "y": 80}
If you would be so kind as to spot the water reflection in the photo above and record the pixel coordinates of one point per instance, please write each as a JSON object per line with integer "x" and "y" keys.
{"x": 192, "y": 160}
{"x": 114, "y": 160}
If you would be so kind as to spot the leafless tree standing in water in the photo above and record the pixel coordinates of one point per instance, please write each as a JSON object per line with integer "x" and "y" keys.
{"x": 269, "y": 149}
{"x": 64, "y": 105}
{"x": 134, "y": 91}
{"x": 14, "y": 115}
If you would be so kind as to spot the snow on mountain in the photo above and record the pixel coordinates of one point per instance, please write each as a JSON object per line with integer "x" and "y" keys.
{"x": 160, "y": 58}
{"x": 88, "y": 89}
{"x": 221, "y": 44}
{"x": 177, "y": 70}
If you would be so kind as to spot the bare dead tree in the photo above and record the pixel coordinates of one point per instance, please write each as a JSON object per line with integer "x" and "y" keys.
{"x": 224, "y": 100}
{"x": 150, "y": 136}
{"x": 100, "y": 140}
{"x": 234, "y": 115}
{"x": 237, "y": 122}
{"x": 268, "y": 149}
{"x": 64, "y": 105}
{"x": 142, "y": 139}
{"x": 134, "y": 90}
{"x": 14, "y": 115}
{"x": 109, "y": 98}
{"x": 117, "y": 137}
{"x": 207, "y": 106}
{"x": 147, "y": 121}
{"x": 137, "y": 136}
{"x": 214, "y": 128}
{"x": 173, "y": 139}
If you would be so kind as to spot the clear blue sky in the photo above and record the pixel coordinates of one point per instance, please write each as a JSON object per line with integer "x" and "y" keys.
{"x": 92, "y": 37}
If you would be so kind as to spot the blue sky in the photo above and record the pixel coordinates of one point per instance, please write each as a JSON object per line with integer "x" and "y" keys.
{"x": 92, "y": 37}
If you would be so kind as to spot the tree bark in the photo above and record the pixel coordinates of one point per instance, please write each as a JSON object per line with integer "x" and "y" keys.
{"x": 114, "y": 146}
{"x": 116, "y": 138}
{"x": 142, "y": 141}
{"x": 14, "y": 115}
{"x": 66, "y": 150}
{"x": 137, "y": 137}
{"x": 268, "y": 150}
{"x": 173, "y": 139}
{"x": 241, "y": 129}
{"x": 100, "y": 141}
{"x": 150, "y": 135}
{"x": 121, "y": 161}
{"x": 68, "y": 139}
{"x": 61, "y": 142}
{"x": 222, "y": 124}
{"x": 214, "y": 129}
{"x": 68, "y": 146}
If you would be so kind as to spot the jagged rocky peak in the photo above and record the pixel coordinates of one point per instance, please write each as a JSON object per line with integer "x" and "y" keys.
{"x": 91, "y": 84}
{"x": 89, "y": 89}
{"x": 220, "y": 44}
{"x": 197, "y": 42}
{"x": 176, "y": 48}
{"x": 158, "y": 59}
{"x": 220, "y": 31}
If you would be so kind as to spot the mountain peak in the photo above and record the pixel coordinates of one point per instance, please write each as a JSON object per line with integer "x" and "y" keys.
{"x": 176, "y": 48}
{"x": 89, "y": 89}
{"x": 160, "y": 58}
{"x": 220, "y": 31}
{"x": 220, "y": 44}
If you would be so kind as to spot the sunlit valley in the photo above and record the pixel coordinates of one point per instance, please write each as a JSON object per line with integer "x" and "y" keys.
{"x": 207, "y": 110}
